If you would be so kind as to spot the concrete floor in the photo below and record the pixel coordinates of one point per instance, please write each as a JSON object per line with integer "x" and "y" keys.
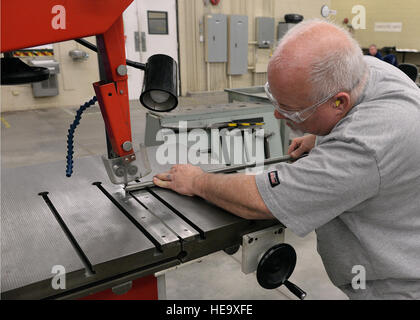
{"x": 39, "y": 136}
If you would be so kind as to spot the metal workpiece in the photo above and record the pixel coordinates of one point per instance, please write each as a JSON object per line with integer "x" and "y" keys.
{"x": 200, "y": 212}
{"x": 141, "y": 218}
{"x": 221, "y": 228}
{"x": 166, "y": 216}
{"x": 228, "y": 169}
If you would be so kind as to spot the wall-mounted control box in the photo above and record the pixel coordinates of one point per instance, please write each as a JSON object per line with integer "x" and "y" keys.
{"x": 265, "y": 32}
{"x": 238, "y": 45}
{"x": 216, "y": 38}
{"x": 282, "y": 29}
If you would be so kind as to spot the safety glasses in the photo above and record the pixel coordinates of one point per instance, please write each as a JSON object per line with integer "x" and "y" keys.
{"x": 295, "y": 116}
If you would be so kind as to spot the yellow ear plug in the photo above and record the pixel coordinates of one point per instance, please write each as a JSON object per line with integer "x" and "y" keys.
{"x": 337, "y": 103}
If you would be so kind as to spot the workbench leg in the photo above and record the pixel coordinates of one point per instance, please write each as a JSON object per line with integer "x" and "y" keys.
{"x": 161, "y": 287}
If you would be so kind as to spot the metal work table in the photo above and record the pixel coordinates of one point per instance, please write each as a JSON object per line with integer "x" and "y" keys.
{"x": 257, "y": 95}
{"x": 251, "y": 94}
{"x": 114, "y": 237}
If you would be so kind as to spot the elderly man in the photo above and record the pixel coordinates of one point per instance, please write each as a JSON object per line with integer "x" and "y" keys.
{"x": 359, "y": 188}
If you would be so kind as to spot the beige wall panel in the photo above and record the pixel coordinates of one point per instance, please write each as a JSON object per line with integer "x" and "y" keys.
{"x": 74, "y": 80}
{"x": 405, "y": 11}
{"x": 194, "y": 75}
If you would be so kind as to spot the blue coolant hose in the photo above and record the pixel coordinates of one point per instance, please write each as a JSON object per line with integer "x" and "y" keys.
{"x": 70, "y": 136}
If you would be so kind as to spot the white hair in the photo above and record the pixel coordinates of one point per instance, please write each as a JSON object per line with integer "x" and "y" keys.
{"x": 341, "y": 69}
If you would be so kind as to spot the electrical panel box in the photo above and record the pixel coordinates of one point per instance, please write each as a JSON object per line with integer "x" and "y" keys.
{"x": 49, "y": 87}
{"x": 216, "y": 38}
{"x": 265, "y": 32}
{"x": 238, "y": 45}
{"x": 282, "y": 29}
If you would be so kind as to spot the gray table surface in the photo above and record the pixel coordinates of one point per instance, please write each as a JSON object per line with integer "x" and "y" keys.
{"x": 32, "y": 241}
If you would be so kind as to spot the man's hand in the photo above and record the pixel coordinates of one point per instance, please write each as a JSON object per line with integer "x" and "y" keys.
{"x": 181, "y": 179}
{"x": 236, "y": 193}
{"x": 301, "y": 145}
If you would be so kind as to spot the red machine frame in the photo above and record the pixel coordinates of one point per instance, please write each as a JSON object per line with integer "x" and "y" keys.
{"x": 28, "y": 23}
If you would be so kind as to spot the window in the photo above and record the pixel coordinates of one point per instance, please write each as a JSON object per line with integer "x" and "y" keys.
{"x": 158, "y": 22}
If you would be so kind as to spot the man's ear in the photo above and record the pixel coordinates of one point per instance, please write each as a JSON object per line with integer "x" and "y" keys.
{"x": 342, "y": 102}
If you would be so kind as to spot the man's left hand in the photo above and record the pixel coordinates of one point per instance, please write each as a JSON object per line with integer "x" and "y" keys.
{"x": 181, "y": 179}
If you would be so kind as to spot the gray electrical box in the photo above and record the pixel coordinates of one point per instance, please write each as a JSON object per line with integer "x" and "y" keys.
{"x": 238, "y": 45}
{"x": 282, "y": 29}
{"x": 49, "y": 87}
{"x": 216, "y": 38}
{"x": 265, "y": 32}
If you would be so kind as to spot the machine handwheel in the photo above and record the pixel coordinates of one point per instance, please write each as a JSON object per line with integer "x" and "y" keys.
{"x": 275, "y": 268}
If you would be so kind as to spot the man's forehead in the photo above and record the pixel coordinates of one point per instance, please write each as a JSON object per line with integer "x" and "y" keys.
{"x": 291, "y": 92}
{"x": 288, "y": 77}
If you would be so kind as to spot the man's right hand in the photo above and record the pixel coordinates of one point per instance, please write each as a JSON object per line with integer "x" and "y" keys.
{"x": 301, "y": 145}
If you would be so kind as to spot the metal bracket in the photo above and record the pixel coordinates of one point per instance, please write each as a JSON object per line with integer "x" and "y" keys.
{"x": 143, "y": 42}
{"x": 255, "y": 244}
{"x": 136, "y": 41}
{"x": 129, "y": 168}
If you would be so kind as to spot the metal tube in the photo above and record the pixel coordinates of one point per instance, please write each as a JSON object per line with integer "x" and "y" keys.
{"x": 92, "y": 47}
{"x": 150, "y": 184}
{"x": 246, "y": 166}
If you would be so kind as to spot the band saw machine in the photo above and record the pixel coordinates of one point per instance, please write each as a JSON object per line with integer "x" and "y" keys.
{"x": 100, "y": 234}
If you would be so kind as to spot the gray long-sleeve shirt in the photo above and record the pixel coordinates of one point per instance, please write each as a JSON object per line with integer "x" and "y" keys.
{"x": 360, "y": 190}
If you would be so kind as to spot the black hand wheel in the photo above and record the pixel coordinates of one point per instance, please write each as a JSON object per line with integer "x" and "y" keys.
{"x": 275, "y": 268}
